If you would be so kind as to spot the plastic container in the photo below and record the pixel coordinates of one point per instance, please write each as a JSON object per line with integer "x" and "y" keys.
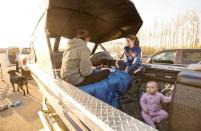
{"x": 16, "y": 103}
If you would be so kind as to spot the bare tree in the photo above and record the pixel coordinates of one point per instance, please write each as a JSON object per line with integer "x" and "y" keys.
{"x": 184, "y": 31}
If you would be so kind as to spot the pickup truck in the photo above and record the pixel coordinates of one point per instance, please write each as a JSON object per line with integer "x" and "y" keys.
{"x": 106, "y": 20}
{"x": 175, "y": 56}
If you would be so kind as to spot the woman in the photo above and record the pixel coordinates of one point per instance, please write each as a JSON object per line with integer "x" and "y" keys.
{"x": 133, "y": 55}
{"x": 76, "y": 65}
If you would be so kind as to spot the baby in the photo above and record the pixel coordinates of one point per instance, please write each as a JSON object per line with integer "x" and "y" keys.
{"x": 151, "y": 104}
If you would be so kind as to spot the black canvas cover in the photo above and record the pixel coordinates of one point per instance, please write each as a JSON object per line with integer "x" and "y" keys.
{"x": 105, "y": 19}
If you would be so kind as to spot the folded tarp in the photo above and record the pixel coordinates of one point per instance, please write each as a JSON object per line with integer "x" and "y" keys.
{"x": 110, "y": 89}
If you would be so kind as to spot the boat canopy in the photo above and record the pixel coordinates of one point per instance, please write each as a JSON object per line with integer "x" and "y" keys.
{"x": 105, "y": 19}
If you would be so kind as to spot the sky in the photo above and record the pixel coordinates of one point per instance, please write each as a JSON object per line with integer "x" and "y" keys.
{"x": 17, "y": 20}
{"x": 164, "y": 10}
{"x": 18, "y": 17}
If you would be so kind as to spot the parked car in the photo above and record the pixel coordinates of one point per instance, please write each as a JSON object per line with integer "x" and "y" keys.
{"x": 175, "y": 56}
{"x": 23, "y": 59}
{"x": 11, "y": 56}
{"x": 77, "y": 109}
{"x": 144, "y": 57}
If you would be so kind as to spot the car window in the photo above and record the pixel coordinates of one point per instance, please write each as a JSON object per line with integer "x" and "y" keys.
{"x": 190, "y": 57}
{"x": 25, "y": 51}
{"x": 164, "y": 57}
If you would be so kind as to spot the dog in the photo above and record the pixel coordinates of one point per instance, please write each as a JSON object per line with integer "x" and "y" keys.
{"x": 19, "y": 80}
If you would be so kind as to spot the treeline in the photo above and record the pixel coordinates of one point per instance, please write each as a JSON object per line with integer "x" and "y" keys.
{"x": 182, "y": 32}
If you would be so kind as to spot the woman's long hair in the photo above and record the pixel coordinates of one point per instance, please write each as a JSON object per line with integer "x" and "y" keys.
{"x": 135, "y": 39}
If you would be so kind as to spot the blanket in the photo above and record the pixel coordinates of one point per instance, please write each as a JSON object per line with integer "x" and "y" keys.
{"x": 110, "y": 89}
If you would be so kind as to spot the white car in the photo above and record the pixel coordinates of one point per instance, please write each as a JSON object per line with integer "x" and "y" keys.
{"x": 23, "y": 59}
